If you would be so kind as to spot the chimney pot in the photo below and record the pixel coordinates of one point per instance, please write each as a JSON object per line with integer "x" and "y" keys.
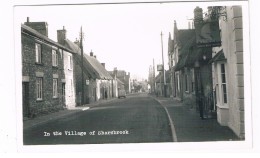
{"x": 28, "y": 19}
{"x": 91, "y": 53}
{"x": 198, "y": 15}
{"x": 61, "y": 36}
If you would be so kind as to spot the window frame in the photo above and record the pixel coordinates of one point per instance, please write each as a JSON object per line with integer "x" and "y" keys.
{"x": 54, "y": 58}
{"x": 70, "y": 62}
{"x": 38, "y": 53}
{"x": 55, "y": 88}
{"x": 39, "y": 88}
{"x": 220, "y": 96}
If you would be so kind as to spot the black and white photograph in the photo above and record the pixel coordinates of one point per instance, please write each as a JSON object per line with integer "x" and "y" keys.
{"x": 133, "y": 73}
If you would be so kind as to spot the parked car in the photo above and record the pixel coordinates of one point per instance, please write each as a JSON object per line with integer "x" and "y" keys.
{"x": 121, "y": 93}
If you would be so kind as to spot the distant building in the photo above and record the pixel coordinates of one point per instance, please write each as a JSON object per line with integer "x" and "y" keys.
{"x": 125, "y": 78}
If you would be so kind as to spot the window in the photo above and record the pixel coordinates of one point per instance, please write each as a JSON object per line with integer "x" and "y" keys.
{"x": 186, "y": 83}
{"x": 192, "y": 81}
{"x": 55, "y": 88}
{"x": 39, "y": 88}
{"x": 38, "y": 53}
{"x": 69, "y": 62}
{"x": 63, "y": 89}
{"x": 54, "y": 58}
{"x": 223, "y": 82}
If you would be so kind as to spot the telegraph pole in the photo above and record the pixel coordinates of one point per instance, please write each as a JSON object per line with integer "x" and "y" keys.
{"x": 82, "y": 73}
{"x": 164, "y": 79}
{"x": 153, "y": 77}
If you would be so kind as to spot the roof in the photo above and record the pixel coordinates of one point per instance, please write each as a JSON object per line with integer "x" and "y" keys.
{"x": 159, "y": 77}
{"x": 220, "y": 56}
{"x": 190, "y": 53}
{"x": 170, "y": 44}
{"x": 184, "y": 35}
{"x": 103, "y": 73}
{"x": 120, "y": 82}
{"x": 91, "y": 64}
{"x": 27, "y": 30}
{"x": 185, "y": 50}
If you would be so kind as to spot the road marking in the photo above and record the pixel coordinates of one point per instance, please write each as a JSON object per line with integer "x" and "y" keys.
{"x": 172, "y": 126}
{"x": 174, "y": 135}
{"x": 85, "y": 108}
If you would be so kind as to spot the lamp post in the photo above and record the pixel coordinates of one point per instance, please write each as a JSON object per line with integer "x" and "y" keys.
{"x": 163, "y": 70}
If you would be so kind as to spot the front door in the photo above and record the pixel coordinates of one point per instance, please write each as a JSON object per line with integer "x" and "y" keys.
{"x": 25, "y": 90}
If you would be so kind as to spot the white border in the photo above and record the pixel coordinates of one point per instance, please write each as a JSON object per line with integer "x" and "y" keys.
{"x": 15, "y": 113}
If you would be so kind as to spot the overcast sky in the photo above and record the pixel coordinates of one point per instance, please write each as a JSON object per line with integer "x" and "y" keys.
{"x": 126, "y": 36}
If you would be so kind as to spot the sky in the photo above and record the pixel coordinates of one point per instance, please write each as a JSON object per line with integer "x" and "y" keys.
{"x": 126, "y": 36}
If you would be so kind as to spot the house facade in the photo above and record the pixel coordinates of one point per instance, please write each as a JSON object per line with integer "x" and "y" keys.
{"x": 228, "y": 72}
{"x": 42, "y": 70}
{"x": 93, "y": 82}
{"x": 68, "y": 83}
{"x": 209, "y": 66}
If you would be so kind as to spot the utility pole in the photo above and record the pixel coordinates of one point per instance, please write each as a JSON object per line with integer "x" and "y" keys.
{"x": 153, "y": 77}
{"x": 164, "y": 79}
{"x": 82, "y": 73}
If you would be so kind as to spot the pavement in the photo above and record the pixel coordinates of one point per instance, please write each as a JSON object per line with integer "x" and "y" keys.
{"x": 185, "y": 122}
{"x": 189, "y": 127}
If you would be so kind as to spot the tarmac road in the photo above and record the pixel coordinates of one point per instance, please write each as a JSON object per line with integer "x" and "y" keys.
{"x": 135, "y": 119}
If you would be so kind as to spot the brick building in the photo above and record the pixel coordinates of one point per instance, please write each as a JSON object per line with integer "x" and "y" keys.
{"x": 42, "y": 70}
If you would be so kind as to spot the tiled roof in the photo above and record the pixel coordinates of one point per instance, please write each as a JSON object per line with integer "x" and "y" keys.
{"x": 184, "y": 36}
{"x": 27, "y": 30}
{"x": 184, "y": 54}
{"x": 95, "y": 68}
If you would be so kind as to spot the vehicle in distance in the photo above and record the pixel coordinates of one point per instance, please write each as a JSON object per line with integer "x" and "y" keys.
{"x": 121, "y": 93}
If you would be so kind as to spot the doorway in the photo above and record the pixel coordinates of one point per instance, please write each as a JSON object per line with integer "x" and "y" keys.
{"x": 25, "y": 89}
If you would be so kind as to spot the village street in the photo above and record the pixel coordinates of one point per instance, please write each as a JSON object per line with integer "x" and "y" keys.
{"x": 140, "y": 118}
{"x": 134, "y": 119}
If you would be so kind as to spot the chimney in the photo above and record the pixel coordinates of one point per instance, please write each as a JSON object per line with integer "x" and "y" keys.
{"x": 41, "y": 27}
{"x": 77, "y": 42}
{"x": 175, "y": 30}
{"x": 61, "y": 36}
{"x": 103, "y": 64}
{"x": 115, "y": 71}
{"x": 198, "y": 15}
{"x": 189, "y": 26}
{"x": 95, "y": 56}
{"x": 91, "y": 53}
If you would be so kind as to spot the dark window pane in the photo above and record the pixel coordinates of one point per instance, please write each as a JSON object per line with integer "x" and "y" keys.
{"x": 223, "y": 77}
{"x": 224, "y": 93}
{"x": 222, "y": 68}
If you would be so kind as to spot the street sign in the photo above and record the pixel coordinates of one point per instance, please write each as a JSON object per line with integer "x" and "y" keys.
{"x": 159, "y": 67}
